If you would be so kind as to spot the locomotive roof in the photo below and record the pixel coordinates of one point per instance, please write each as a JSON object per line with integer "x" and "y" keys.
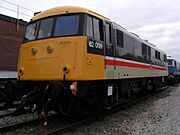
{"x": 67, "y": 10}
{"x": 170, "y": 58}
{"x": 136, "y": 37}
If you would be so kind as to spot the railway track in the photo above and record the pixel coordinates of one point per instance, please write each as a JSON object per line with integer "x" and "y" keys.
{"x": 58, "y": 125}
{"x": 6, "y": 114}
{"x": 13, "y": 111}
{"x": 33, "y": 120}
{"x": 14, "y": 126}
{"x": 14, "y": 105}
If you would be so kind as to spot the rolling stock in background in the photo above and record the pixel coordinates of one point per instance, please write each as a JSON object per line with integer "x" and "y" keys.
{"x": 72, "y": 58}
{"x": 173, "y": 70}
{"x": 11, "y": 34}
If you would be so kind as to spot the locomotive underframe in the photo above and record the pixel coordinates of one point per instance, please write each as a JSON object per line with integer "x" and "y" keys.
{"x": 86, "y": 97}
{"x": 173, "y": 79}
{"x": 6, "y": 90}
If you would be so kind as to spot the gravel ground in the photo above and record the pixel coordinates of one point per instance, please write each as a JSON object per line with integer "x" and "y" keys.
{"x": 158, "y": 115}
{"x": 12, "y": 120}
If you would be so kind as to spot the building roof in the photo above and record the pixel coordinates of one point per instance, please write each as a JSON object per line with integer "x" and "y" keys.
{"x": 12, "y": 20}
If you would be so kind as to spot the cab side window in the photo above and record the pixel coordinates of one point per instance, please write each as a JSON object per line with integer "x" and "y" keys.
{"x": 157, "y": 55}
{"x": 89, "y": 27}
{"x": 108, "y": 33}
{"x": 109, "y": 45}
{"x": 144, "y": 51}
{"x": 94, "y": 28}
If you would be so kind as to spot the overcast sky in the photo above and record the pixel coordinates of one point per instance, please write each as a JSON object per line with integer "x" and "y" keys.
{"x": 157, "y": 21}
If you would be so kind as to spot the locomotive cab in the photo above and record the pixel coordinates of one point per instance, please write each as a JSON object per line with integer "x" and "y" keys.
{"x": 56, "y": 47}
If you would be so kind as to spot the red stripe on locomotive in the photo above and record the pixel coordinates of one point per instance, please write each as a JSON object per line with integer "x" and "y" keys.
{"x": 135, "y": 65}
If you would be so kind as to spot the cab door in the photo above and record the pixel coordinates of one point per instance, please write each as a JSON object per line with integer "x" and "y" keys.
{"x": 109, "y": 51}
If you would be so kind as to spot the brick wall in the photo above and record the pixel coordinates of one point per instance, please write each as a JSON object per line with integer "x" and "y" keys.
{"x": 10, "y": 40}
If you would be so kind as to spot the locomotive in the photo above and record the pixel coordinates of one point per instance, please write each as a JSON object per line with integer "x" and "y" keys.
{"x": 173, "y": 71}
{"x": 73, "y": 58}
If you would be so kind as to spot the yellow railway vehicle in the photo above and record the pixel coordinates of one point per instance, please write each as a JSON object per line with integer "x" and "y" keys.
{"x": 76, "y": 57}
{"x": 59, "y": 51}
